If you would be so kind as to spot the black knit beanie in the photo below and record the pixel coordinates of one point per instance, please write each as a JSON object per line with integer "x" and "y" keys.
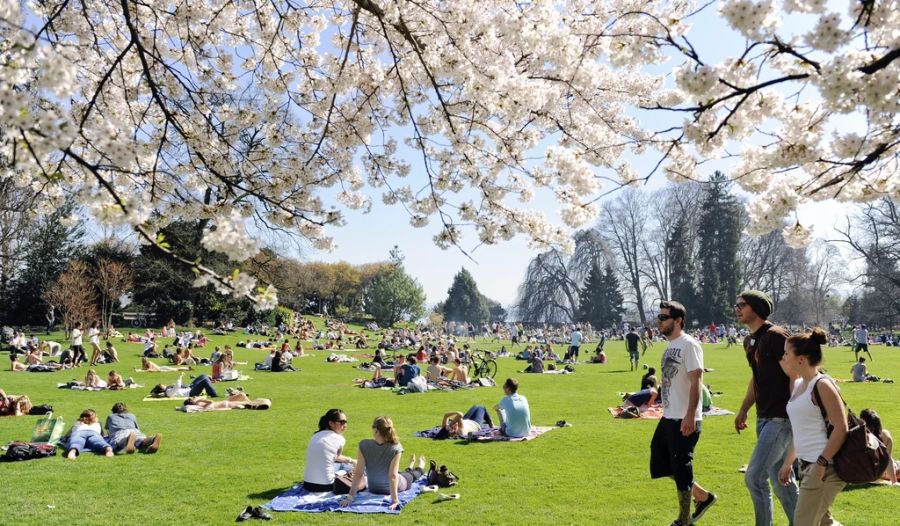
{"x": 759, "y": 301}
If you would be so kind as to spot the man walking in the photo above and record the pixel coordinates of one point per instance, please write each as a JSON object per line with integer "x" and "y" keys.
{"x": 769, "y": 389}
{"x": 574, "y": 344}
{"x": 672, "y": 446}
{"x": 631, "y": 343}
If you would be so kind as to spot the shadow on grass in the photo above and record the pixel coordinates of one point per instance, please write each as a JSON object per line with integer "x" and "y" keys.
{"x": 268, "y": 494}
{"x": 867, "y": 485}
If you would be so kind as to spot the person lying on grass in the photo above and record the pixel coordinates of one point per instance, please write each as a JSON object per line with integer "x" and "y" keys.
{"x": 378, "y": 459}
{"x": 458, "y": 425}
{"x": 236, "y": 399}
{"x": 14, "y": 405}
{"x": 148, "y": 366}
{"x": 85, "y": 434}
{"x": 114, "y": 381}
{"x": 324, "y": 451}
{"x": 93, "y": 380}
{"x": 641, "y": 399}
{"x": 124, "y": 434}
{"x": 198, "y": 385}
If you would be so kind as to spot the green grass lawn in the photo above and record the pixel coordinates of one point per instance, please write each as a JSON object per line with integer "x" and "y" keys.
{"x": 212, "y": 465}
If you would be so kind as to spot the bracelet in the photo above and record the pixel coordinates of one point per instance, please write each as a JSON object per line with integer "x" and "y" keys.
{"x": 822, "y": 461}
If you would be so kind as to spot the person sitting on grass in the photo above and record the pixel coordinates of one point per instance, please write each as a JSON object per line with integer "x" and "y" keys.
{"x": 93, "y": 380}
{"x": 280, "y": 363}
{"x": 298, "y": 349}
{"x": 514, "y": 412}
{"x": 324, "y": 451}
{"x": 460, "y": 372}
{"x": 873, "y": 422}
{"x": 111, "y": 355}
{"x": 458, "y": 425}
{"x": 378, "y": 459}
{"x": 435, "y": 370}
{"x": 85, "y": 434}
{"x": 649, "y": 380}
{"x": 124, "y": 434}
{"x": 15, "y": 365}
{"x": 537, "y": 363}
{"x": 861, "y": 373}
{"x": 407, "y": 371}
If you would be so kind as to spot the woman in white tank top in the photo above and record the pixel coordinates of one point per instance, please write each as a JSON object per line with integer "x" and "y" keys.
{"x": 819, "y": 484}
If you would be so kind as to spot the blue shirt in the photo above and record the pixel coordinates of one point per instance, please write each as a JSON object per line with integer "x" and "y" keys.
{"x": 516, "y": 416}
{"x": 408, "y": 372}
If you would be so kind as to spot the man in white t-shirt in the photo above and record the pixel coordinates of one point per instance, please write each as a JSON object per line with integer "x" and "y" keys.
{"x": 78, "y": 345}
{"x": 672, "y": 446}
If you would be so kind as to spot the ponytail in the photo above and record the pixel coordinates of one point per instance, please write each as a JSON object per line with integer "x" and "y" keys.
{"x": 385, "y": 428}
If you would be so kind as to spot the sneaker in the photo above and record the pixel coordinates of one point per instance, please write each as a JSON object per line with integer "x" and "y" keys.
{"x": 129, "y": 446}
{"x": 701, "y": 507}
{"x": 259, "y": 513}
{"x": 246, "y": 514}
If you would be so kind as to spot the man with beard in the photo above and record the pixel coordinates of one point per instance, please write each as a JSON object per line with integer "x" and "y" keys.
{"x": 769, "y": 390}
{"x": 672, "y": 446}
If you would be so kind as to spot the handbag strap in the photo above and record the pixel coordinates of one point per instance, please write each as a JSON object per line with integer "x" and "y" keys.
{"x": 828, "y": 426}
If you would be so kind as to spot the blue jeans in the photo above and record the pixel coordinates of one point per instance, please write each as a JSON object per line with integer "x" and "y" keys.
{"x": 203, "y": 383}
{"x": 772, "y": 444}
{"x": 87, "y": 440}
{"x": 479, "y": 413}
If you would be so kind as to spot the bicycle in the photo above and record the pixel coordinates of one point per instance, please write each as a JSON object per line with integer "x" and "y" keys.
{"x": 483, "y": 365}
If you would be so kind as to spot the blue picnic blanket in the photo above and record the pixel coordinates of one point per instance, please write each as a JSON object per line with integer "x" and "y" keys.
{"x": 299, "y": 499}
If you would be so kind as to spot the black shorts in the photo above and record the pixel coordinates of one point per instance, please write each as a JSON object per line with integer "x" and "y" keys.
{"x": 672, "y": 454}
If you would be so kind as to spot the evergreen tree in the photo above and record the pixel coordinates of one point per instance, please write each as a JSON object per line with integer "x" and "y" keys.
{"x": 464, "y": 302}
{"x": 682, "y": 268}
{"x": 601, "y": 301}
{"x": 393, "y": 295}
{"x": 48, "y": 250}
{"x": 719, "y": 235}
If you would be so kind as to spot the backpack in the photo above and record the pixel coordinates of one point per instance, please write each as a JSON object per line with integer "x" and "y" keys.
{"x": 417, "y": 385}
{"x": 27, "y": 451}
{"x": 441, "y": 477}
{"x": 863, "y": 457}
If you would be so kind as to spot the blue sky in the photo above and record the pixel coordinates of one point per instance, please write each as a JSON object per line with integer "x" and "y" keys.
{"x": 500, "y": 269}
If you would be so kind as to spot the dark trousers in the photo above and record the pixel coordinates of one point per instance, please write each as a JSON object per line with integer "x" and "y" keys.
{"x": 672, "y": 454}
{"x": 203, "y": 383}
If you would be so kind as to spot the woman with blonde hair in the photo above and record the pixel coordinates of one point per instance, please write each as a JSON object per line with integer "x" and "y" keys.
{"x": 379, "y": 458}
{"x": 85, "y": 434}
{"x": 812, "y": 395}
{"x": 92, "y": 379}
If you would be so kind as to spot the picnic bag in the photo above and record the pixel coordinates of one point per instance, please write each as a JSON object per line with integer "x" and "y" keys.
{"x": 27, "y": 451}
{"x": 344, "y": 481}
{"x": 49, "y": 429}
{"x": 441, "y": 477}
{"x": 863, "y": 457}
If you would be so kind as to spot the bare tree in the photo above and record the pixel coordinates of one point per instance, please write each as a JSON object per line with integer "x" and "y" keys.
{"x": 112, "y": 279}
{"x": 548, "y": 293}
{"x": 74, "y": 295}
{"x": 623, "y": 225}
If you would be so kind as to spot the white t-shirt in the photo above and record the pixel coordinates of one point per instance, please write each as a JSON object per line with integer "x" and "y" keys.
{"x": 682, "y": 356}
{"x": 323, "y": 448}
{"x": 94, "y": 335}
{"x": 76, "y": 336}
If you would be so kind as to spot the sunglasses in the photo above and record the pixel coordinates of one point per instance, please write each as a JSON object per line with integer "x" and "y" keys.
{"x": 740, "y": 305}
{"x": 664, "y": 317}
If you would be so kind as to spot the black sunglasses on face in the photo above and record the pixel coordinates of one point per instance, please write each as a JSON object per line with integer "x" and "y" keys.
{"x": 664, "y": 317}
{"x": 740, "y": 305}
{"x": 341, "y": 422}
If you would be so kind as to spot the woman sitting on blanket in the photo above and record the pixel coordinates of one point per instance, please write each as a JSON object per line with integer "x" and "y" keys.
{"x": 85, "y": 434}
{"x": 379, "y": 458}
{"x": 324, "y": 451}
{"x": 147, "y": 365}
{"x": 873, "y": 422}
{"x": 92, "y": 380}
{"x": 458, "y": 425}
